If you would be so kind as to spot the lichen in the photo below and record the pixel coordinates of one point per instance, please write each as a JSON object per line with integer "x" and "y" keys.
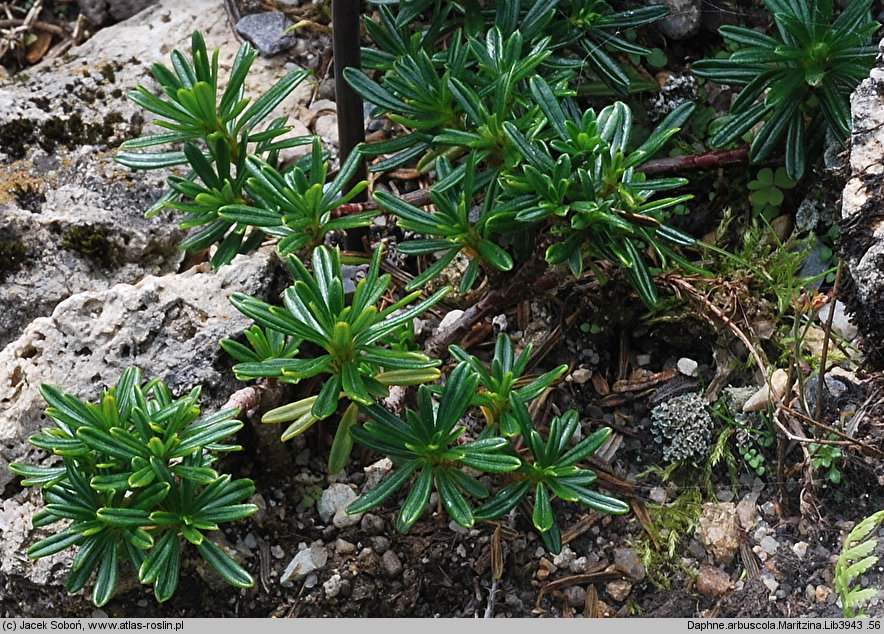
{"x": 683, "y": 425}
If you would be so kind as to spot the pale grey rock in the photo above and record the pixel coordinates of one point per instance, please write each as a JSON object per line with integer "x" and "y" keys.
{"x": 333, "y": 506}
{"x": 683, "y": 20}
{"x": 304, "y": 563}
{"x": 326, "y": 127}
{"x": 17, "y": 534}
{"x": 169, "y": 326}
{"x": 717, "y": 530}
{"x": 75, "y": 214}
{"x": 267, "y": 32}
{"x": 862, "y": 237}
{"x": 769, "y": 545}
{"x": 100, "y": 11}
{"x": 332, "y": 587}
{"x": 687, "y": 366}
{"x": 841, "y": 323}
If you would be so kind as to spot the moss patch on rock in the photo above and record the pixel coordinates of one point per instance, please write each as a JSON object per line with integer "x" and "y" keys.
{"x": 12, "y": 254}
{"x": 92, "y": 243}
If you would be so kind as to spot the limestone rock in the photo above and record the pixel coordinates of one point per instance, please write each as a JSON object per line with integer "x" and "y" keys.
{"x": 267, "y": 31}
{"x": 683, "y": 20}
{"x": 862, "y": 237}
{"x": 771, "y": 392}
{"x": 717, "y": 530}
{"x": 70, "y": 218}
{"x": 305, "y": 562}
{"x": 100, "y": 11}
{"x": 169, "y": 326}
{"x": 333, "y": 505}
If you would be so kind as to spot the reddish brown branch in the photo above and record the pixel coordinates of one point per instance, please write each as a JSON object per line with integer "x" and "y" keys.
{"x": 695, "y": 162}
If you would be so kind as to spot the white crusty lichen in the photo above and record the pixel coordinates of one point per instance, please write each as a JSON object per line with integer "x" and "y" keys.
{"x": 683, "y": 425}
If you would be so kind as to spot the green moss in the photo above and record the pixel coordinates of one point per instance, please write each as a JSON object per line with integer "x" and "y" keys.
{"x": 15, "y": 137}
{"x": 28, "y": 196}
{"x": 107, "y": 71}
{"x": 92, "y": 243}
{"x": 12, "y": 254}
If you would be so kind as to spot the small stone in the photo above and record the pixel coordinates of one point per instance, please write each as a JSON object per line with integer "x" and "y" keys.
{"x": 326, "y": 128}
{"x": 376, "y": 472}
{"x": 499, "y": 323}
{"x": 747, "y": 514}
{"x": 769, "y": 582}
{"x": 800, "y": 549}
{"x": 627, "y": 561}
{"x": 657, "y": 495}
{"x": 683, "y": 20}
{"x": 688, "y": 367}
{"x": 576, "y": 596}
{"x": 769, "y": 545}
{"x": 581, "y": 375}
{"x": 332, "y": 587}
{"x": 841, "y": 324}
{"x": 771, "y": 392}
{"x": 724, "y": 494}
{"x": 267, "y": 31}
{"x": 305, "y": 562}
{"x": 380, "y": 544}
{"x": 449, "y": 319}
{"x": 333, "y": 505}
{"x": 372, "y": 524}
{"x": 696, "y": 549}
{"x": 642, "y": 360}
{"x": 390, "y": 564}
{"x": 769, "y": 509}
{"x": 564, "y": 558}
{"x": 277, "y": 552}
{"x": 712, "y": 582}
{"x": 343, "y": 547}
{"x": 311, "y": 581}
{"x": 717, "y": 530}
{"x": 619, "y": 589}
{"x": 250, "y": 541}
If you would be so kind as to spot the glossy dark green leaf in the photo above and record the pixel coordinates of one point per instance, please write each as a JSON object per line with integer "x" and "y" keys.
{"x": 453, "y": 500}
{"x": 417, "y": 500}
{"x": 108, "y": 573}
{"x": 229, "y": 570}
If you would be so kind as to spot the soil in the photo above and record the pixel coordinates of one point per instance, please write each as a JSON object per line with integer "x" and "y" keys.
{"x": 441, "y": 570}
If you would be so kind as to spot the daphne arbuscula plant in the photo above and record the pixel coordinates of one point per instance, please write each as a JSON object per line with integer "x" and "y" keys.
{"x": 136, "y": 482}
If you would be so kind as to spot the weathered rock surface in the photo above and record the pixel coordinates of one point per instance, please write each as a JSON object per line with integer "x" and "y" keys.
{"x": 683, "y": 19}
{"x": 70, "y": 218}
{"x": 100, "y": 11}
{"x": 169, "y": 326}
{"x": 862, "y": 237}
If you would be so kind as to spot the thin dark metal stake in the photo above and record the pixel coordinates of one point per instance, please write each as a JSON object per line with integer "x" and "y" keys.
{"x": 351, "y": 120}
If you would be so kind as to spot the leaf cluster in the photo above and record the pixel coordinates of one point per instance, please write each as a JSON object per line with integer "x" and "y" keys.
{"x": 356, "y": 361}
{"x": 218, "y": 131}
{"x": 427, "y": 444}
{"x": 796, "y": 82}
{"x": 136, "y": 477}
